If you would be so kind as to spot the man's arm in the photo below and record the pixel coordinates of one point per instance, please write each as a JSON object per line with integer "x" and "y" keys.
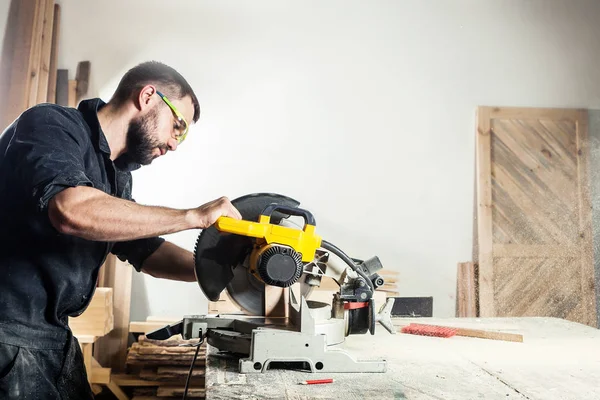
{"x": 170, "y": 261}
{"x": 94, "y": 215}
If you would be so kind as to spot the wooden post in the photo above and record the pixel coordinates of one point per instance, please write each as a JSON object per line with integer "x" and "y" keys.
{"x": 111, "y": 350}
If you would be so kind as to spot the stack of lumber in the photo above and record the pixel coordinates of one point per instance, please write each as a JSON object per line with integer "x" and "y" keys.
{"x": 158, "y": 369}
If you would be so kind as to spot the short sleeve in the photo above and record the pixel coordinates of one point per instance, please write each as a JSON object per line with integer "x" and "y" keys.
{"x": 47, "y": 152}
{"x": 137, "y": 251}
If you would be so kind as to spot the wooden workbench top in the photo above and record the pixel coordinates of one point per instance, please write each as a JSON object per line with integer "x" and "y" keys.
{"x": 556, "y": 360}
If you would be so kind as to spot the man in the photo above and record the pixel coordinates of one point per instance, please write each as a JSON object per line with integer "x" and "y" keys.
{"x": 65, "y": 203}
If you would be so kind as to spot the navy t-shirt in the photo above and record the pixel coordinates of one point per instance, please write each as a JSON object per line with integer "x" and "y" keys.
{"x": 46, "y": 276}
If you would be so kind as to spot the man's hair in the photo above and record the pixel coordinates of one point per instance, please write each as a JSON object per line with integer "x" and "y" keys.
{"x": 166, "y": 79}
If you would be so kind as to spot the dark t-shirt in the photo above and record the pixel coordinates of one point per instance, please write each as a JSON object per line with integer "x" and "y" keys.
{"x": 46, "y": 276}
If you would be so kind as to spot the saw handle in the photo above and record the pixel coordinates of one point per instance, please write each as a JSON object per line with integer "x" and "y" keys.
{"x": 268, "y": 211}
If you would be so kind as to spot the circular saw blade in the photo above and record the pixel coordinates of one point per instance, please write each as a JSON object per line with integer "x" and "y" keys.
{"x": 219, "y": 257}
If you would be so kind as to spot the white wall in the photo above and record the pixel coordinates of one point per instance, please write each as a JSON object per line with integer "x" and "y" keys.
{"x": 363, "y": 111}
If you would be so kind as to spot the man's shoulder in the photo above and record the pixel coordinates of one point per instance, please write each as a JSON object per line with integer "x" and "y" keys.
{"x": 49, "y": 113}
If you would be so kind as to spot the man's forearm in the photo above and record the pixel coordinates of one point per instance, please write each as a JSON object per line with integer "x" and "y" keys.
{"x": 170, "y": 261}
{"x": 92, "y": 214}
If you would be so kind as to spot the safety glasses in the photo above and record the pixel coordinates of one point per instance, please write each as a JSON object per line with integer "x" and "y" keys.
{"x": 183, "y": 126}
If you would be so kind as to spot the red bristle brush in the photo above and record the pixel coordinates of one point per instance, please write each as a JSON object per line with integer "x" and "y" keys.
{"x": 429, "y": 330}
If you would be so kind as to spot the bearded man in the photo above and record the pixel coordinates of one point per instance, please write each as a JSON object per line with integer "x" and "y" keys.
{"x": 65, "y": 204}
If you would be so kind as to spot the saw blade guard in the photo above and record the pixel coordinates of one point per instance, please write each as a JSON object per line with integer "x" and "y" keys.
{"x": 220, "y": 257}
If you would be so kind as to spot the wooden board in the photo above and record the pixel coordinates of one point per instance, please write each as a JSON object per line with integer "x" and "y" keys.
{"x": 534, "y": 214}
{"x": 52, "y": 75}
{"x": 45, "y": 54}
{"x": 18, "y": 56}
{"x": 111, "y": 350}
{"x": 466, "y": 290}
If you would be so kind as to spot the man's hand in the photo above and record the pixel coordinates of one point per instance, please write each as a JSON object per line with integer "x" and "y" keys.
{"x": 207, "y": 214}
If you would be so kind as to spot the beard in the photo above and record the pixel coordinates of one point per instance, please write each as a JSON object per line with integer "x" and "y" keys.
{"x": 140, "y": 142}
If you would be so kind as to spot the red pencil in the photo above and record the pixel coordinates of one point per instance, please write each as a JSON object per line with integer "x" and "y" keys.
{"x": 316, "y": 381}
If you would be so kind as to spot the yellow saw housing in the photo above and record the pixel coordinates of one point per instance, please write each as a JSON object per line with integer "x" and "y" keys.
{"x": 305, "y": 241}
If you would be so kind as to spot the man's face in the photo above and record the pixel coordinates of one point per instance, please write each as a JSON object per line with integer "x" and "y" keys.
{"x": 152, "y": 134}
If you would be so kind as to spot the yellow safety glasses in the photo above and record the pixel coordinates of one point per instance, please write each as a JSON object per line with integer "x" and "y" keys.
{"x": 182, "y": 123}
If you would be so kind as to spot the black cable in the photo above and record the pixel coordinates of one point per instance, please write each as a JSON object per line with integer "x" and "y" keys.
{"x": 187, "y": 381}
{"x": 335, "y": 250}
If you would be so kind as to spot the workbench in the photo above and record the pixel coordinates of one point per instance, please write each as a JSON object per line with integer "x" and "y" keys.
{"x": 556, "y": 360}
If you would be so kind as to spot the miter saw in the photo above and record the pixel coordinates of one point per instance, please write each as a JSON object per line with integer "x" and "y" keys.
{"x": 267, "y": 255}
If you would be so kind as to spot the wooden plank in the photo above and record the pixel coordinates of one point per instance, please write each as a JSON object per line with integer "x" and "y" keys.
{"x": 35, "y": 64}
{"x": 82, "y": 77}
{"x": 100, "y": 375}
{"x": 177, "y": 391}
{"x": 523, "y": 250}
{"x": 145, "y": 326}
{"x": 532, "y": 113}
{"x": 175, "y": 372}
{"x": 45, "y": 53}
{"x": 584, "y": 240}
{"x": 86, "y": 349}
{"x": 466, "y": 292}
{"x": 111, "y": 350}
{"x": 18, "y": 46}
{"x": 72, "y": 102}
{"x": 62, "y": 89}
{"x": 52, "y": 76}
{"x": 484, "y": 212}
{"x": 477, "y": 333}
{"x": 14, "y": 23}
{"x": 125, "y": 380}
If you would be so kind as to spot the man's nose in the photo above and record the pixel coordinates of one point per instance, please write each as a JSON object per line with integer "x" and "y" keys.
{"x": 172, "y": 143}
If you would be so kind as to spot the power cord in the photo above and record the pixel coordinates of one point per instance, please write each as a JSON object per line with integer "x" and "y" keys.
{"x": 187, "y": 381}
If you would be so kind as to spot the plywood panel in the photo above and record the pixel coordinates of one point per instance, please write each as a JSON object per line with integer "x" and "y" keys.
{"x": 534, "y": 214}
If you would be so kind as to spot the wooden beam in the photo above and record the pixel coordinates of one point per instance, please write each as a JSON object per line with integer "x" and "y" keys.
{"x": 72, "y": 93}
{"x": 146, "y": 326}
{"x": 35, "y": 62}
{"x": 83, "y": 79}
{"x": 17, "y": 58}
{"x": 52, "y": 76}
{"x": 45, "y": 53}
{"x": 484, "y": 212}
{"x": 111, "y": 350}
